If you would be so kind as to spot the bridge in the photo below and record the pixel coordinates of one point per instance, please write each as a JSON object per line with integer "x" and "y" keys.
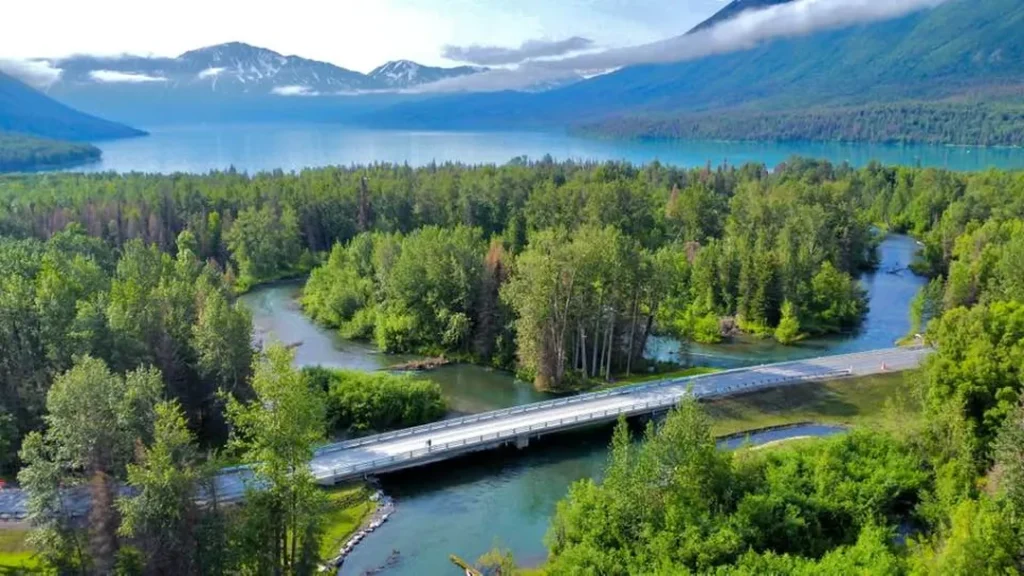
{"x": 451, "y": 438}
{"x": 411, "y": 447}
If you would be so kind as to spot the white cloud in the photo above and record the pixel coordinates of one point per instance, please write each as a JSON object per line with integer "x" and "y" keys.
{"x": 747, "y": 30}
{"x": 529, "y": 50}
{"x": 386, "y": 30}
{"x": 39, "y": 74}
{"x": 112, "y": 76}
{"x": 294, "y": 91}
{"x": 210, "y": 73}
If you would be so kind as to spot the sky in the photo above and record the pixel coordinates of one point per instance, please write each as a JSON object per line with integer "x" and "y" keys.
{"x": 355, "y": 34}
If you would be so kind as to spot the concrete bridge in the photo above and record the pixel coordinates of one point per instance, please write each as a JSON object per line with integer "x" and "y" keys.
{"x": 449, "y": 438}
{"x": 439, "y": 441}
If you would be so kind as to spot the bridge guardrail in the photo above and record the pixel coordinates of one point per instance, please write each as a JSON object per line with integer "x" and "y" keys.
{"x": 620, "y": 391}
{"x": 340, "y": 473}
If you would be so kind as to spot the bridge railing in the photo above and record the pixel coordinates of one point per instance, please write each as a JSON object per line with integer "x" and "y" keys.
{"x": 342, "y": 472}
{"x": 619, "y": 391}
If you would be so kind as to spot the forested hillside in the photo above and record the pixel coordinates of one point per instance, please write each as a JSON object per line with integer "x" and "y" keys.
{"x": 28, "y": 111}
{"x": 18, "y": 153}
{"x": 951, "y": 122}
{"x": 123, "y": 352}
{"x": 961, "y": 48}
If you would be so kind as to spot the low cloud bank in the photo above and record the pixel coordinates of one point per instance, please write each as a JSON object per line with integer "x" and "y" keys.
{"x": 114, "y": 76}
{"x": 529, "y": 50}
{"x": 294, "y": 90}
{"x": 210, "y": 72}
{"x": 39, "y": 74}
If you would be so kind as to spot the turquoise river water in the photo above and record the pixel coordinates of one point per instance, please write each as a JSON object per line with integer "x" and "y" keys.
{"x": 507, "y": 497}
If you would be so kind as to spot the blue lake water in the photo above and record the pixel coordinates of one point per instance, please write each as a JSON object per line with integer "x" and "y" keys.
{"x": 263, "y": 147}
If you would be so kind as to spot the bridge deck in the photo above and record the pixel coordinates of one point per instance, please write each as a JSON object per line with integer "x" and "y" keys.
{"x": 450, "y": 438}
{"x": 402, "y": 449}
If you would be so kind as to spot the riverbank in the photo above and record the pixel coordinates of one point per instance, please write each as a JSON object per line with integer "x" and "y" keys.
{"x": 509, "y": 497}
{"x": 16, "y": 557}
{"x": 881, "y": 400}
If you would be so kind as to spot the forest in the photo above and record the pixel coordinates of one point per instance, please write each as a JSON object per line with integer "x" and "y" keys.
{"x": 942, "y": 493}
{"x": 125, "y": 359}
{"x": 953, "y": 122}
{"x": 19, "y": 153}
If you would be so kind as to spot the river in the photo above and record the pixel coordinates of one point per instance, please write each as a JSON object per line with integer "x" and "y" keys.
{"x": 507, "y": 497}
{"x": 294, "y": 146}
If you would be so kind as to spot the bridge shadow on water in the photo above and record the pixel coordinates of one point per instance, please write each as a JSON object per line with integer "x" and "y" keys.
{"x": 504, "y": 496}
{"x": 566, "y": 450}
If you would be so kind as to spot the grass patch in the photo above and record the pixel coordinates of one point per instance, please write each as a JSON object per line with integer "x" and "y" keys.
{"x": 15, "y": 555}
{"x": 880, "y": 400}
{"x": 684, "y": 373}
{"x": 597, "y": 384}
{"x": 348, "y": 507}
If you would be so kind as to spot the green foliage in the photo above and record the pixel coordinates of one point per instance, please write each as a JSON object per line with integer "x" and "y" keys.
{"x": 20, "y": 152}
{"x": 838, "y": 301}
{"x": 346, "y": 513}
{"x": 706, "y": 330}
{"x": 161, "y": 516}
{"x": 338, "y": 290}
{"x": 676, "y": 504}
{"x": 360, "y": 402}
{"x": 788, "y": 330}
{"x": 71, "y": 296}
{"x": 925, "y": 306}
{"x": 419, "y": 292}
{"x": 980, "y": 539}
{"x": 978, "y": 364}
{"x": 94, "y": 418}
{"x": 8, "y": 439}
{"x": 280, "y": 526}
{"x": 497, "y": 562}
{"x": 570, "y": 295}
{"x": 264, "y": 244}
{"x": 1010, "y": 461}
{"x": 957, "y": 123}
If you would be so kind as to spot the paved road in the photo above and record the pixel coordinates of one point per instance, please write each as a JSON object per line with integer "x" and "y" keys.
{"x": 450, "y": 438}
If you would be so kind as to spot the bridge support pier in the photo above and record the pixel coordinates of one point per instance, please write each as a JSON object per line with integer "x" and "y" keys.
{"x": 522, "y": 442}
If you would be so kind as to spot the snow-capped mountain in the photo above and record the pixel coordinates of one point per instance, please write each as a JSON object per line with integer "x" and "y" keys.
{"x": 399, "y": 74}
{"x": 237, "y": 67}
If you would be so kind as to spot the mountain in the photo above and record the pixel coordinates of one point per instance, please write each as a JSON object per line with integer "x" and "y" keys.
{"x": 234, "y": 82}
{"x": 959, "y": 49}
{"x": 399, "y": 74}
{"x": 734, "y": 9}
{"x": 226, "y": 68}
{"x": 239, "y": 68}
{"x": 25, "y": 110}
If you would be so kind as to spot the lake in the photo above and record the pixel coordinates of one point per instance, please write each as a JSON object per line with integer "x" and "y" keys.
{"x": 465, "y": 506}
{"x": 263, "y": 147}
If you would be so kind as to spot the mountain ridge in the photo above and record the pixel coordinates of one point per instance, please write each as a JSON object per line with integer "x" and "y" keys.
{"x": 24, "y": 110}
{"x": 956, "y": 48}
{"x": 238, "y": 67}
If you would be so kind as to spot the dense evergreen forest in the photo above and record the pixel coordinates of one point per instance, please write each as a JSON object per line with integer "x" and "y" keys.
{"x": 19, "y": 153}
{"x": 125, "y": 359}
{"x": 955, "y": 123}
